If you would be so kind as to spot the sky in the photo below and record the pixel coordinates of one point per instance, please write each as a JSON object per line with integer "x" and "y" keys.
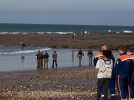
{"x": 83, "y": 12}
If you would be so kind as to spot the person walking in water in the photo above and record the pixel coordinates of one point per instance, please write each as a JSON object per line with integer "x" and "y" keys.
{"x": 39, "y": 56}
{"x": 80, "y": 55}
{"x": 23, "y": 45}
{"x": 90, "y": 57}
{"x": 45, "y": 60}
{"x": 54, "y": 57}
{"x": 73, "y": 56}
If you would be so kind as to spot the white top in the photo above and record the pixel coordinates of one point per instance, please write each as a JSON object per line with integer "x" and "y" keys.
{"x": 104, "y": 68}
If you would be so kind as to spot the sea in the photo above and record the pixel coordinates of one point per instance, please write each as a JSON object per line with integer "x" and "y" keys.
{"x": 8, "y": 27}
{"x": 14, "y": 59}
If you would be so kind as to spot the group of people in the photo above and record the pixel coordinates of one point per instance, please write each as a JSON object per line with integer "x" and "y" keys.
{"x": 43, "y": 59}
{"x": 115, "y": 78}
{"x": 89, "y": 55}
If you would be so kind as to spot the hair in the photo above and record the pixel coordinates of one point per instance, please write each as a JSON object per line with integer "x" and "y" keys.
{"x": 107, "y": 53}
{"x": 105, "y": 47}
{"x": 123, "y": 49}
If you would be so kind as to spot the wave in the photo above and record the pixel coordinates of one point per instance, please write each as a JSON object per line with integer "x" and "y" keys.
{"x": 24, "y": 51}
{"x": 127, "y": 31}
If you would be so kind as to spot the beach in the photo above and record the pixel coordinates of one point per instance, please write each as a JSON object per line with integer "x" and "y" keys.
{"x": 66, "y": 49}
{"x": 68, "y": 82}
{"x": 73, "y": 83}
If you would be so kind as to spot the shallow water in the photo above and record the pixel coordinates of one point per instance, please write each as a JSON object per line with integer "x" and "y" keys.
{"x": 14, "y": 59}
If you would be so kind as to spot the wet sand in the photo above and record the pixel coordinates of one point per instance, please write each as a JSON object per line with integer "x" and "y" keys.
{"x": 62, "y": 84}
{"x": 91, "y": 40}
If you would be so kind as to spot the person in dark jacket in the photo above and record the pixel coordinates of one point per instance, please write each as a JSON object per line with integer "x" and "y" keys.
{"x": 54, "y": 63}
{"x": 23, "y": 45}
{"x": 123, "y": 70}
{"x": 73, "y": 54}
{"x": 131, "y": 57}
{"x": 45, "y": 60}
{"x": 80, "y": 55}
{"x": 39, "y": 56}
{"x": 95, "y": 61}
{"x": 90, "y": 57}
{"x": 132, "y": 81}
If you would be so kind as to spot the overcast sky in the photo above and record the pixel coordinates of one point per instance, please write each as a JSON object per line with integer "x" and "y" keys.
{"x": 91, "y": 12}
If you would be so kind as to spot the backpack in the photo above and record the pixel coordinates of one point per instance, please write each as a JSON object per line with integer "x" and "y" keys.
{"x": 105, "y": 71}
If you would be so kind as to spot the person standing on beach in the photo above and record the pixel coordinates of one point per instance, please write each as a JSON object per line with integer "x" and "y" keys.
{"x": 54, "y": 57}
{"x": 80, "y": 55}
{"x": 90, "y": 57}
{"x": 112, "y": 81}
{"x": 39, "y": 56}
{"x": 123, "y": 71}
{"x": 73, "y": 56}
{"x": 103, "y": 47}
{"x": 132, "y": 79}
{"x": 130, "y": 56}
{"x": 45, "y": 60}
{"x": 104, "y": 66}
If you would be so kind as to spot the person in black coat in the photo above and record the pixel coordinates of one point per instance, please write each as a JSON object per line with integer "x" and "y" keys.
{"x": 39, "y": 56}
{"x": 45, "y": 60}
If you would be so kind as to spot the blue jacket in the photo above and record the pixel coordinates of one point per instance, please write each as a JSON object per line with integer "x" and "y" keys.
{"x": 124, "y": 66}
{"x": 132, "y": 77}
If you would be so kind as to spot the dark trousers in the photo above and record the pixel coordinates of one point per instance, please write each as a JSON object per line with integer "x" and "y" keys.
{"x": 39, "y": 63}
{"x": 112, "y": 86}
{"x": 112, "y": 89}
{"x": 80, "y": 61}
{"x": 90, "y": 60}
{"x": 132, "y": 87}
{"x": 54, "y": 64}
{"x": 124, "y": 87}
{"x": 102, "y": 88}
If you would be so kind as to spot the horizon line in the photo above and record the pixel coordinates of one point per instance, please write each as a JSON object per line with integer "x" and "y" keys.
{"x": 70, "y": 24}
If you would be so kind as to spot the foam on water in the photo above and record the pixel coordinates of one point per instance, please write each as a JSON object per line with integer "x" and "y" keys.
{"x": 127, "y": 31}
{"x": 24, "y": 51}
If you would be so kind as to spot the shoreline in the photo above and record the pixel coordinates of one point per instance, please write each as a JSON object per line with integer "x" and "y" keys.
{"x": 50, "y": 69}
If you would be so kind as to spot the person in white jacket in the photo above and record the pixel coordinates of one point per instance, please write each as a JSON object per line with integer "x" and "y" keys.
{"x": 104, "y": 66}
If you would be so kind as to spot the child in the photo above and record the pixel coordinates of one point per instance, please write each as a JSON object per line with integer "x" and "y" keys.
{"x": 104, "y": 66}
